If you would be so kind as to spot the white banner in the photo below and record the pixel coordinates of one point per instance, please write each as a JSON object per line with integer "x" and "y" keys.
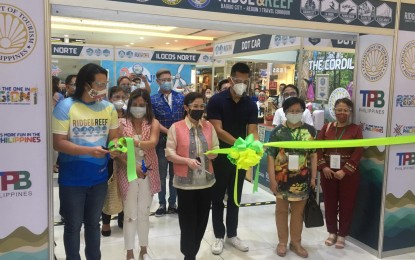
{"x": 76, "y": 51}
{"x": 373, "y": 81}
{"x": 24, "y": 230}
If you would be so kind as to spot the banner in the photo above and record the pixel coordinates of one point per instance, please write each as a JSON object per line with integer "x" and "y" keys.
{"x": 83, "y": 51}
{"x": 399, "y": 221}
{"x": 144, "y": 55}
{"x": 24, "y": 230}
{"x": 371, "y": 112}
{"x": 331, "y": 43}
{"x": 372, "y": 13}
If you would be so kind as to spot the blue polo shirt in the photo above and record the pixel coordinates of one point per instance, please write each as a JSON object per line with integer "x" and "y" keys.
{"x": 234, "y": 116}
{"x": 162, "y": 111}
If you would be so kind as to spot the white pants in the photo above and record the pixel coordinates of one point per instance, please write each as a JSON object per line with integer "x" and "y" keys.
{"x": 137, "y": 212}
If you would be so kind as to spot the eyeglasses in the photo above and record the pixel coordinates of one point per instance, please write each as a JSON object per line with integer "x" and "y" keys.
{"x": 101, "y": 84}
{"x": 237, "y": 81}
{"x": 341, "y": 110}
{"x": 164, "y": 80}
{"x": 197, "y": 107}
{"x": 295, "y": 111}
{"x": 289, "y": 94}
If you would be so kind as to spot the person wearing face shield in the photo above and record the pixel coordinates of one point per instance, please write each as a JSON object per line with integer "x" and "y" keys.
{"x": 187, "y": 142}
{"x": 83, "y": 160}
{"x": 292, "y": 173}
{"x": 137, "y": 194}
{"x": 168, "y": 109}
{"x": 234, "y": 115}
{"x": 340, "y": 173}
{"x": 124, "y": 82}
{"x": 290, "y": 91}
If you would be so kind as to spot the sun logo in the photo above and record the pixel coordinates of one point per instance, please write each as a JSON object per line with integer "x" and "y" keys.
{"x": 375, "y": 62}
{"x": 17, "y": 34}
{"x": 407, "y": 60}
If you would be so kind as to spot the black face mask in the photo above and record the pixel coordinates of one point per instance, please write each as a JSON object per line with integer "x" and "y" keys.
{"x": 196, "y": 114}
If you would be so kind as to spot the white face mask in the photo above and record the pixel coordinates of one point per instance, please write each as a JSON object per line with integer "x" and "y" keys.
{"x": 97, "y": 95}
{"x": 138, "y": 112}
{"x": 294, "y": 118}
{"x": 208, "y": 95}
{"x": 118, "y": 104}
{"x": 240, "y": 88}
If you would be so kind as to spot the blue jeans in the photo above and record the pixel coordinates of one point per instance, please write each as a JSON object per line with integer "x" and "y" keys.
{"x": 82, "y": 204}
{"x": 163, "y": 163}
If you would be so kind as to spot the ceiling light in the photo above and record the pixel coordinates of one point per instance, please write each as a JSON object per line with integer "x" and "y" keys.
{"x": 129, "y": 32}
{"x": 141, "y": 38}
{"x": 66, "y": 35}
{"x": 167, "y": 43}
{"x": 77, "y": 21}
{"x": 176, "y": 40}
{"x": 131, "y": 43}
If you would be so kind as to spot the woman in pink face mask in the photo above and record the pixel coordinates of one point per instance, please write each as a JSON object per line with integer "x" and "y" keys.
{"x": 339, "y": 173}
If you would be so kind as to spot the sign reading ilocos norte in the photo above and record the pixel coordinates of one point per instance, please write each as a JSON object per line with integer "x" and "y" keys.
{"x": 371, "y": 13}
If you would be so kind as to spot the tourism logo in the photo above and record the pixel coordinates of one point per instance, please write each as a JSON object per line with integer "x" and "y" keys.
{"x": 15, "y": 184}
{"x": 375, "y": 62}
{"x": 348, "y": 11}
{"x": 17, "y": 34}
{"x": 329, "y": 10}
{"x": 373, "y": 101}
{"x": 98, "y": 52}
{"x": 130, "y": 54}
{"x": 200, "y": 4}
{"x": 405, "y": 101}
{"x": 89, "y": 51}
{"x": 172, "y": 2}
{"x": 106, "y": 52}
{"x": 310, "y": 8}
{"x": 138, "y": 68}
{"x": 367, "y": 13}
{"x": 407, "y": 60}
{"x": 371, "y": 128}
{"x": 383, "y": 14}
{"x": 224, "y": 48}
{"x": 121, "y": 53}
{"x": 18, "y": 95}
{"x": 406, "y": 161}
{"x": 403, "y": 130}
{"x": 7, "y": 138}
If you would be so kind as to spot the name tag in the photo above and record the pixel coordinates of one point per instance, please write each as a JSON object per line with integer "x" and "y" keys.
{"x": 335, "y": 161}
{"x": 293, "y": 162}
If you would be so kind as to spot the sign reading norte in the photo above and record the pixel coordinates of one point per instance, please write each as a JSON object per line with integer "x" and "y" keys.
{"x": 19, "y": 36}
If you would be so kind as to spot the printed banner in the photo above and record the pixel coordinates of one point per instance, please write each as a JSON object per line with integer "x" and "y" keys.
{"x": 322, "y": 87}
{"x": 83, "y": 52}
{"x": 399, "y": 221}
{"x": 130, "y": 54}
{"x": 372, "y": 13}
{"x": 24, "y": 232}
{"x": 343, "y": 44}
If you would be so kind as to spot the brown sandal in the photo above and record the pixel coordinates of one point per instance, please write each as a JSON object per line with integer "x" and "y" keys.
{"x": 331, "y": 240}
{"x": 282, "y": 250}
{"x": 299, "y": 250}
{"x": 341, "y": 242}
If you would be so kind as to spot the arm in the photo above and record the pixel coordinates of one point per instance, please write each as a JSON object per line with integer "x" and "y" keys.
{"x": 313, "y": 160}
{"x": 253, "y": 129}
{"x": 215, "y": 143}
{"x": 147, "y": 86}
{"x": 351, "y": 165}
{"x": 62, "y": 144}
{"x": 271, "y": 174}
{"x": 154, "y": 137}
{"x": 171, "y": 154}
{"x": 321, "y": 161}
{"x": 222, "y": 134}
{"x": 163, "y": 129}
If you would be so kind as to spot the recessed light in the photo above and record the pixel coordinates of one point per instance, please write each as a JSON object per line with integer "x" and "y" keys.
{"x": 141, "y": 38}
{"x": 127, "y": 45}
{"x": 131, "y": 43}
{"x": 66, "y": 36}
{"x": 167, "y": 43}
{"x": 176, "y": 40}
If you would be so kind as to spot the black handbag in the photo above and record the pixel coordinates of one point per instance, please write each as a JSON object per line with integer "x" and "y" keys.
{"x": 312, "y": 212}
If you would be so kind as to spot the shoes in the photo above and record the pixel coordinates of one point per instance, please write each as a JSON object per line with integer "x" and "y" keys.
{"x": 161, "y": 211}
{"x": 341, "y": 242}
{"x": 299, "y": 250}
{"x": 217, "y": 246}
{"x": 172, "y": 209}
{"x": 238, "y": 244}
{"x": 106, "y": 233}
{"x": 120, "y": 223}
{"x": 282, "y": 250}
{"x": 331, "y": 239}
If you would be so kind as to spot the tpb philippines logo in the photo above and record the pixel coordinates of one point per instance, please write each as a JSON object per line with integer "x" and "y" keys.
{"x": 406, "y": 160}
{"x": 373, "y": 98}
{"x": 15, "y": 181}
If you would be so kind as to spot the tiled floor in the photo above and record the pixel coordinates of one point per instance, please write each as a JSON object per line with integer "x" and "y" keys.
{"x": 256, "y": 227}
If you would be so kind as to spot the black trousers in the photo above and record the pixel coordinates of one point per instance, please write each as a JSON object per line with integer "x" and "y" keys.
{"x": 193, "y": 210}
{"x": 225, "y": 173}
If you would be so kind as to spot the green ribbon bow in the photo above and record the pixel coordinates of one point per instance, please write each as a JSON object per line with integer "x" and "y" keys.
{"x": 126, "y": 145}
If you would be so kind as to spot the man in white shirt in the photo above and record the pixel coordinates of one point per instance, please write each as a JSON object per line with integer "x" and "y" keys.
{"x": 287, "y": 92}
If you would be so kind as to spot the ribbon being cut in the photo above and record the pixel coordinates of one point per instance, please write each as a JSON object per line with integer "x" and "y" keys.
{"x": 126, "y": 145}
{"x": 247, "y": 153}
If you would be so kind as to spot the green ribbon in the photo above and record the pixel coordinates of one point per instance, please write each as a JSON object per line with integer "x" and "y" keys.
{"x": 126, "y": 145}
{"x": 344, "y": 143}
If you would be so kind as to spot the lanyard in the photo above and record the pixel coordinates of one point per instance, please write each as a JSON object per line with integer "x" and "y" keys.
{"x": 340, "y": 137}
{"x": 298, "y": 134}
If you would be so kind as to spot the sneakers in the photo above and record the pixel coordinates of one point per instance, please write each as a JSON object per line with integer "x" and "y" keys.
{"x": 172, "y": 209}
{"x": 161, "y": 211}
{"x": 217, "y": 246}
{"x": 238, "y": 244}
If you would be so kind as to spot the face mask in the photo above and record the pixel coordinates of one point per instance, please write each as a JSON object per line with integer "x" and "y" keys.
{"x": 256, "y": 93}
{"x": 208, "y": 95}
{"x": 342, "y": 118}
{"x": 126, "y": 88}
{"x": 166, "y": 86}
{"x": 262, "y": 98}
{"x": 239, "y": 88}
{"x": 196, "y": 114}
{"x": 138, "y": 112}
{"x": 97, "y": 95}
{"x": 118, "y": 104}
{"x": 294, "y": 118}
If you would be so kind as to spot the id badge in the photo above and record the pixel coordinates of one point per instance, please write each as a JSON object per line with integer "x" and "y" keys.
{"x": 335, "y": 161}
{"x": 293, "y": 162}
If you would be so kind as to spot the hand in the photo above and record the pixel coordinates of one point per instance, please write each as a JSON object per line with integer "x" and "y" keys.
{"x": 98, "y": 152}
{"x": 143, "y": 78}
{"x": 139, "y": 172}
{"x": 211, "y": 156}
{"x": 313, "y": 183}
{"x": 114, "y": 154}
{"x": 273, "y": 186}
{"x": 193, "y": 164}
{"x": 339, "y": 174}
{"x": 328, "y": 173}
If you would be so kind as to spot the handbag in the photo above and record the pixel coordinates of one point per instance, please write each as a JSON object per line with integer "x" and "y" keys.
{"x": 113, "y": 200}
{"x": 312, "y": 212}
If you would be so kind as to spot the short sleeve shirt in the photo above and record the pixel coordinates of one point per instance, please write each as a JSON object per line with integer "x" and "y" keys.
{"x": 292, "y": 184}
{"x": 85, "y": 124}
{"x": 234, "y": 116}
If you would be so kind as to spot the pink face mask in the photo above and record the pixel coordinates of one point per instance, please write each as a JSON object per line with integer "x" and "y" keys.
{"x": 342, "y": 118}
{"x": 262, "y": 98}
